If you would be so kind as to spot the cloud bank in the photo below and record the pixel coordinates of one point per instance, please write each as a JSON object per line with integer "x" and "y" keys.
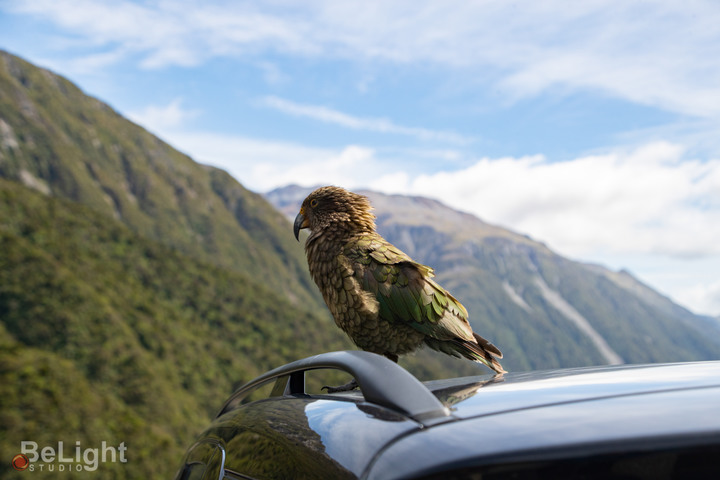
{"x": 661, "y": 54}
{"x": 649, "y": 199}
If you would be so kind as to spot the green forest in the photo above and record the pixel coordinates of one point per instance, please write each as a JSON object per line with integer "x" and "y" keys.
{"x": 112, "y": 337}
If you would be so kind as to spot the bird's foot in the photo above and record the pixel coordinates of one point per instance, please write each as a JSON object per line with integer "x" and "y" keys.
{"x": 351, "y": 385}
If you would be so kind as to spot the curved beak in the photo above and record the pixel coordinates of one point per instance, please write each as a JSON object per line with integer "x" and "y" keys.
{"x": 300, "y": 223}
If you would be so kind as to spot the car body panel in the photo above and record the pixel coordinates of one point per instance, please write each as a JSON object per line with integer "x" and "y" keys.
{"x": 675, "y": 418}
{"x": 530, "y": 390}
{"x": 300, "y": 437}
{"x": 483, "y": 421}
{"x": 541, "y": 414}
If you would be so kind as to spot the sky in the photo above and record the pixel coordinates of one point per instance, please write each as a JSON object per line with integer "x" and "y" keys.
{"x": 591, "y": 126}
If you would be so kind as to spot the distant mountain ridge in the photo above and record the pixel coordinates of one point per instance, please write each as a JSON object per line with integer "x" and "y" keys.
{"x": 543, "y": 310}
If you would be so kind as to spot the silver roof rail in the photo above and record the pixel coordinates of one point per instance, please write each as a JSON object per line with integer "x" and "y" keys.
{"x": 381, "y": 381}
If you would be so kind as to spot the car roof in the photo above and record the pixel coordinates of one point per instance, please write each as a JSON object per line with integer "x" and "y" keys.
{"x": 399, "y": 427}
{"x": 484, "y": 395}
{"x": 386, "y": 384}
{"x": 574, "y": 413}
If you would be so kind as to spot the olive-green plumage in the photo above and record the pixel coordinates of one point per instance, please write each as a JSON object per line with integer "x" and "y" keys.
{"x": 385, "y": 302}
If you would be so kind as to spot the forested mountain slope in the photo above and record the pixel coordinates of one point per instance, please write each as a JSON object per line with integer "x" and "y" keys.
{"x": 59, "y": 141}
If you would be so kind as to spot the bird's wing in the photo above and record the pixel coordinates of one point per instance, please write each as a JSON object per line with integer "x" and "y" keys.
{"x": 405, "y": 290}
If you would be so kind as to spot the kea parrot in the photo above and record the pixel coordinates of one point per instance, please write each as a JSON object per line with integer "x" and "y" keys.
{"x": 383, "y": 300}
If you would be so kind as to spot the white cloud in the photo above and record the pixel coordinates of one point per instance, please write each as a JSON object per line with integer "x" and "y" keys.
{"x": 89, "y": 64}
{"x": 272, "y": 73}
{"x": 328, "y": 115}
{"x": 161, "y": 118}
{"x": 262, "y": 165}
{"x": 661, "y": 54}
{"x": 704, "y": 297}
{"x": 645, "y": 200}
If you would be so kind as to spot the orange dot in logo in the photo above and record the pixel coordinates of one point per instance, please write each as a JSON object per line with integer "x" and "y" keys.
{"x": 20, "y": 462}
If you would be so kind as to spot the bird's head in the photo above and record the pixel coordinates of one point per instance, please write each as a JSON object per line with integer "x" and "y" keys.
{"x": 337, "y": 209}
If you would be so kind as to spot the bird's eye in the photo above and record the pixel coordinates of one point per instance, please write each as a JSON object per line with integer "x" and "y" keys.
{"x": 313, "y": 202}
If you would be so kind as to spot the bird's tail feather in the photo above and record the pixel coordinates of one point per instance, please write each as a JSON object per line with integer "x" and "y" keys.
{"x": 484, "y": 352}
{"x": 481, "y": 350}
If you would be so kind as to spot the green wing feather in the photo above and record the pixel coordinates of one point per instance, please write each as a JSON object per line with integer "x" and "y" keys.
{"x": 405, "y": 290}
{"x": 406, "y": 293}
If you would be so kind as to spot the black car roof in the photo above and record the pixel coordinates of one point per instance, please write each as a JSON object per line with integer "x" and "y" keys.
{"x": 388, "y": 385}
{"x": 475, "y": 396}
{"x": 578, "y": 413}
{"x": 399, "y": 427}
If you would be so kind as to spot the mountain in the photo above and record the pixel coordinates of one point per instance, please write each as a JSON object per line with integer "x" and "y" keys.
{"x": 542, "y": 310}
{"x": 61, "y": 142}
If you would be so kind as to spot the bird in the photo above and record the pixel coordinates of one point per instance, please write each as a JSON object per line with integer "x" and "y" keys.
{"x": 382, "y": 299}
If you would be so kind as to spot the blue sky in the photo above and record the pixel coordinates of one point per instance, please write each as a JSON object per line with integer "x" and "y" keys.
{"x": 592, "y": 126}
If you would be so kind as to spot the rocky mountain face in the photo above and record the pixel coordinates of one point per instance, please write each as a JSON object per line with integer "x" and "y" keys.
{"x": 541, "y": 309}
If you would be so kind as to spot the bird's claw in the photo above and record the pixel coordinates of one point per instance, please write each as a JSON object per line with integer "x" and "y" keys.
{"x": 351, "y": 385}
